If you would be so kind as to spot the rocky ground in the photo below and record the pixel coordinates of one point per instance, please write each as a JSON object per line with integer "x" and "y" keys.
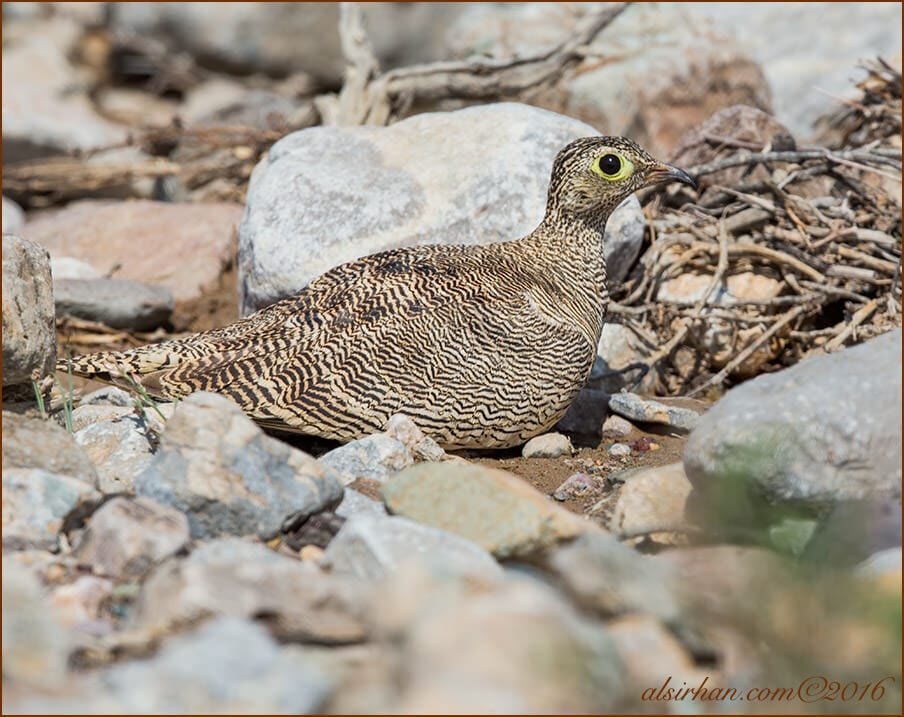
{"x": 722, "y": 504}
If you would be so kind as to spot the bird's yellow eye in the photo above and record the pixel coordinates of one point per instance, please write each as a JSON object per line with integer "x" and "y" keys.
{"x": 613, "y": 167}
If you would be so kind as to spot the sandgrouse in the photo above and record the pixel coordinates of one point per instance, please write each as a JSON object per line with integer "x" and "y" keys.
{"x": 482, "y": 346}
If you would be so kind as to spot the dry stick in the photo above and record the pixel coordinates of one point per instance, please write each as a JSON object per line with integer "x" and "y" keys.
{"x": 748, "y": 351}
{"x": 480, "y": 78}
{"x": 361, "y": 66}
{"x": 849, "y": 158}
{"x": 858, "y": 318}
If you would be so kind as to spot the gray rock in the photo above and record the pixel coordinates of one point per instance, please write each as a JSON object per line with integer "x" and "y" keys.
{"x": 67, "y": 267}
{"x": 651, "y": 500}
{"x": 119, "y": 448}
{"x": 464, "y": 194}
{"x": 649, "y": 50}
{"x": 549, "y": 445}
{"x": 497, "y": 510}
{"x": 376, "y": 457}
{"x": 126, "y": 537}
{"x": 281, "y": 39}
{"x": 619, "y": 450}
{"x": 632, "y": 406}
{"x": 826, "y": 429}
{"x": 229, "y": 665}
{"x": 13, "y": 217}
{"x": 41, "y": 90}
{"x": 607, "y": 577}
{"x": 355, "y": 503}
{"x": 119, "y": 303}
{"x": 29, "y": 331}
{"x": 616, "y": 427}
{"x": 237, "y": 578}
{"x": 371, "y": 546}
{"x": 36, "y": 503}
{"x": 218, "y": 467}
{"x": 35, "y": 646}
{"x": 36, "y": 443}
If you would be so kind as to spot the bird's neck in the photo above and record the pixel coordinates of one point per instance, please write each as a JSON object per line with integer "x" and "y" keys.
{"x": 573, "y": 238}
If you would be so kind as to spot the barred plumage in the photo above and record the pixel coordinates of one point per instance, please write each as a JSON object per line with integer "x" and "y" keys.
{"x": 482, "y": 346}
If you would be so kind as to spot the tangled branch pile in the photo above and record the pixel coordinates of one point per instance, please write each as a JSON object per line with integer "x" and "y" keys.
{"x": 784, "y": 253}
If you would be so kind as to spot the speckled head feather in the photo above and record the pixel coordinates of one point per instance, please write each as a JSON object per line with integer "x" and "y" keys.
{"x": 593, "y": 175}
{"x": 482, "y": 346}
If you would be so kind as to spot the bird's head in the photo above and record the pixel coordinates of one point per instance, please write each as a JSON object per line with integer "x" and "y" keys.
{"x": 593, "y": 175}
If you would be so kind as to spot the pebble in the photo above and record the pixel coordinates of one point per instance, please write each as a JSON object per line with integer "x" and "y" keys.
{"x": 616, "y": 427}
{"x": 13, "y": 217}
{"x": 549, "y": 445}
{"x": 238, "y": 578}
{"x": 118, "y": 303}
{"x": 636, "y": 408}
{"x": 119, "y": 448}
{"x": 36, "y": 504}
{"x": 513, "y": 519}
{"x": 579, "y": 485}
{"x": 651, "y": 500}
{"x": 216, "y": 466}
{"x": 619, "y": 449}
{"x": 29, "y": 331}
{"x": 67, "y": 267}
{"x": 372, "y": 547}
{"x": 109, "y": 395}
{"x": 126, "y": 537}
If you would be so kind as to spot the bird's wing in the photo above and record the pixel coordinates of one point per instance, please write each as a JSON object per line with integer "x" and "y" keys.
{"x": 351, "y": 300}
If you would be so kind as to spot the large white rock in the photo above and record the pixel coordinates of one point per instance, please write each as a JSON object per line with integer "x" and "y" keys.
{"x": 329, "y": 195}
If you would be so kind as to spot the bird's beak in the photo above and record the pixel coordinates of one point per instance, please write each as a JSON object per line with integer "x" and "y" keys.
{"x": 666, "y": 173}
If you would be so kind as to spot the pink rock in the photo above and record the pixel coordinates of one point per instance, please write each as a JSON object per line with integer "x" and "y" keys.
{"x": 184, "y": 247}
